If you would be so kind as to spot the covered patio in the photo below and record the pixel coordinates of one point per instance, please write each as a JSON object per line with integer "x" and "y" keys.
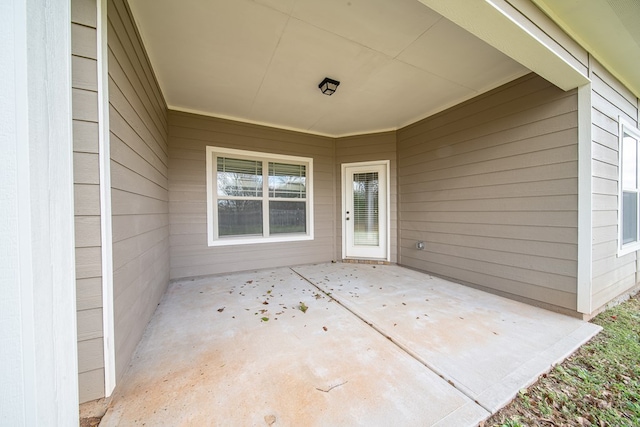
{"x": 336, "y": 344}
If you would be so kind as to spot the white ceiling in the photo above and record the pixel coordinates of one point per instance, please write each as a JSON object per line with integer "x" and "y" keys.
{"x": 261, "y": 61}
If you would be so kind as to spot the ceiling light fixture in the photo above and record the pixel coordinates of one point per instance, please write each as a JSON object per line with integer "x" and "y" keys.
{"x": 328, "y": 86}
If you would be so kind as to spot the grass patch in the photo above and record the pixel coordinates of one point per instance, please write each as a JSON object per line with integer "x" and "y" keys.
{"x": 598, "y": 386}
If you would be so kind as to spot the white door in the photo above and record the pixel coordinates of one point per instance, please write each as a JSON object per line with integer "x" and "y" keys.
{"x": 365, "y": 210}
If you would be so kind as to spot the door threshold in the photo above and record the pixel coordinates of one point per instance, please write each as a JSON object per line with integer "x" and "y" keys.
{"x": 365, "y": 261}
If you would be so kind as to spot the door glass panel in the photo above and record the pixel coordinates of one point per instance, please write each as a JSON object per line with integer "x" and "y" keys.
{"x": 365, "y": 209}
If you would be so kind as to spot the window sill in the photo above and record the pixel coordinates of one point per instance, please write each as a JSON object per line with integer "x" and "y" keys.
{"x": 233, "y": 241}
{"x": 629, "y": 248}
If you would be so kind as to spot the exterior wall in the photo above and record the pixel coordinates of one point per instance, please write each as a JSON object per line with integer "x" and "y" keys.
{"x": 491, "y": 187}
{"x": 364, "y": 148}
{"x": 87, "y": 199}
{"x": 139, "y": 186}
{"x": 189, "y": 134}
{"x": 612, "y": 275}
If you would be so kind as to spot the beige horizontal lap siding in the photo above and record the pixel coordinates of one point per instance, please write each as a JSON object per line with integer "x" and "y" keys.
{"x": 189, "y": 135}
{"x": 84, "y": 75}
{"x": 139, "y": 183}
{"x": 490, "y": 186}
{"x": 612, "y": 275}
{"x": 365, "y": 148}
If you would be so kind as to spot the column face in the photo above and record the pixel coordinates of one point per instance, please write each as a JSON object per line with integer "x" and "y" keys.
{"x": 38, "y": 265}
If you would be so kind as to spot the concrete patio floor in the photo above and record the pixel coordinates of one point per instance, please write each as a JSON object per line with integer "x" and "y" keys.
{"x": 377, "y": 345}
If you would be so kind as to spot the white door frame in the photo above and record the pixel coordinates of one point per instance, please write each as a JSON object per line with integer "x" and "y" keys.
{"x": 344, "y": 166}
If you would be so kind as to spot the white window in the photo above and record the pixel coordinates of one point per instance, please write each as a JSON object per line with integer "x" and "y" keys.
{"x": 629, "y": 197}
{"x": 257, "y": 197}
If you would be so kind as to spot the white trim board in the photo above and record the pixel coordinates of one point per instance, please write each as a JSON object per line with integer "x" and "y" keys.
{"x": 104, "y": 154}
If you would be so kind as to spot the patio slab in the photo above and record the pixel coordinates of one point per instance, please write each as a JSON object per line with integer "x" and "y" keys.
{"x": 486, "y": 346}
{"x": 391, "y": 346}
{"x": 209, "y": 358}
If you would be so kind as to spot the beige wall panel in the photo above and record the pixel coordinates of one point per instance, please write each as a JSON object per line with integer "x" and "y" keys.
{"x": 190, "y": 255}
{"x": 85, "y": 105}
{"x": 604, "y": 81}
{"x": 88, "y": 262}
{"x": 121, "y": 131}
{"x": 122, "y": 154}
{"x": 613, "y": 111}
{"x": 123, "y": 72}
{"x": 89, "y": 293}
{"x": 86, "y": 168}
{"x": 546, "y": 219}
{"x": 494, "y": 158}
{"x": 604, "y": 218}
{"x": 612, "y": 275}
{"x": 84, "y": 73}
{"x": 610, "y": 264}
{"x": 604, "y": 122}
{"x": 527, "y": 110}
{"x": 604, "y": 138}
{"x": 126, "y": 179}
{"x": 416, "y": 202}
{"x": 136, "y": 52}
{"x": 86, "y": 199}
{"x": 545, "y": 249}
{"x": 605, "y": 154}
{"x": 132, "y": 225}
{"x": 605, "y": 234}
{"x": 125, "y": 203}
{"x": 119, "y": 101}
{"x": 186, "y": 121}
{"x": 604, "y": 249}
{"x": 84, "y": 41}
{"x": 84, "y": 12}
{"x": 139, "y": 192}
{"x": 89, "y": 324}
{"x": 604, "y": 170}
{"x": 537, "y": 158}
{"x": 87, "y": 229}
{"x": 91, "y": 355}
{"x": 133, "y": 247}
{"x": 85, "y": 137}
{"x": 555, "y": 171}
{"x": 498, "y": 284}
{"x": 91, "y": 385}
{"x": 496, "y": 98}
{"x": 604, "y": 296}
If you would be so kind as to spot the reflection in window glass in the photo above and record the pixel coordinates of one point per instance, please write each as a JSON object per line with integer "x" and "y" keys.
{"x": 239, "y": 177}
{"x": 287, "y": 217}
{"x": 239, "y": 217}
{"x": 287, "y": 181}
{"x": 629, "y": 217}
{"x": 629, "y": 163}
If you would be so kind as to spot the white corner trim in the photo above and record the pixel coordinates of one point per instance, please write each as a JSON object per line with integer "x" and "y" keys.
{"x": 585, "y": 208}
{"x": 105, "y": 201}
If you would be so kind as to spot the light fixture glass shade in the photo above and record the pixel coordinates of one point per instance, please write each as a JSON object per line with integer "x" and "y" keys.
{"x": 328, "y": 86}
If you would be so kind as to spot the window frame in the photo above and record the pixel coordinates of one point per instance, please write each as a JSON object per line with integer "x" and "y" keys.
{"x": 626, "y": 127}
{"x": 213, "y": 239}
